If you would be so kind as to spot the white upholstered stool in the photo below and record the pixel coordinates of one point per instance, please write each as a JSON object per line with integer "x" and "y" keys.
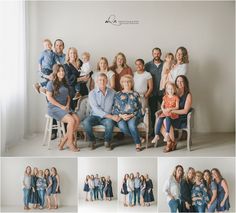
{"x": 48, "y": 130}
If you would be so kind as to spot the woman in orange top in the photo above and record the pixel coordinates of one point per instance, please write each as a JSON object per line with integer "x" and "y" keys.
{"x": 120, "y": 68}
{"x": 170, "y": 102}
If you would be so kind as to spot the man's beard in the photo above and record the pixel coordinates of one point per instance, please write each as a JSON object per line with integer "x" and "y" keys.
{"x": 156, "y": 59}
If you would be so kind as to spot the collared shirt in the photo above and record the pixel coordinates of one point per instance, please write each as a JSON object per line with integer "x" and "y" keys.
{"x": 47, "y": 59}
{"x": 96, "y": 182}
{"x": 101, "y": 104}
{"x": 60, "y": 58}
{"x": 137, "y": 183}
{"x": 172, "y": 187}
{"x": 156, "y": 75}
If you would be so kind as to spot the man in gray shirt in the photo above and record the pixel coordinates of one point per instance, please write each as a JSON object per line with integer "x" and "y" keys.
{"x": 137, "y": 188}
{"x": 101, "y": 102}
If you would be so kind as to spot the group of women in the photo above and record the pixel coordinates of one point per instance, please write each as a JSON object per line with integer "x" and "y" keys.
{"x": 120, "y": 78}
{"x": 197, "y": 191}
{"x": 38, "y": 185}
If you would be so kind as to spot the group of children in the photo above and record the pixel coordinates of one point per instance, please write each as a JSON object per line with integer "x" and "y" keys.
{"x": 139, "y": 189}
{"x": 37, "y": 185}
{"x": 98, "y": 188}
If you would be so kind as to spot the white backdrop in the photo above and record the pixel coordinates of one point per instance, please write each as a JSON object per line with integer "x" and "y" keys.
{"x": 206, "y": 29}
{"x": 166, "y": 167}
{"x": 133, "y": 165}
{"x": 13, "y": 171}
{"x": 100, "y": 166}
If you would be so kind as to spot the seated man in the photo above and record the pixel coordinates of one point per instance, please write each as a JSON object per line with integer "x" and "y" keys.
{"x": 101, "y": 101}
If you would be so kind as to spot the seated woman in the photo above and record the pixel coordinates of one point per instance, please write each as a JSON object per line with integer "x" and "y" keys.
{"x": 59, "y": 106}
{"x": 127, "y": 105}
{"x": 185, "y": 104}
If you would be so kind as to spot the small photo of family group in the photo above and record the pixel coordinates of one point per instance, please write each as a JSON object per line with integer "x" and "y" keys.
{"x": 39, "y": 184}
{"x": 196, "y": 185}
{"x": 97, "y": 184}
{"x": 137, "y": 178}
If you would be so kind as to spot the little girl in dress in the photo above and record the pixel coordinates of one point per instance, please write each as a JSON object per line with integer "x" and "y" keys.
{"x": 170, "y": 102}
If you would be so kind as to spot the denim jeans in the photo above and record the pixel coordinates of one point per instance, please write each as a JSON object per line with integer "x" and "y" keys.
{"x": 101, "y": 193}
{"x": 130, "y": 198}
{"x": 91, "y": 194}
{"x": 26, "y": 196}
{"x": 174, "y": 205}
{"x": 41, "y": 197}
{"x": 136, "y": 193}
{"x": 96, "y": 193}
{"x": 92, "y": 120}
{"x": 199, "y": 208}
{"x": 160, "y": 122}
{"x": 212, "y": 207}
{"x": 130, "y": 128}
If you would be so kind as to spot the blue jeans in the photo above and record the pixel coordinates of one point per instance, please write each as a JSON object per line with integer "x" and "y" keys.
{"x": 130, "y": 198}
{"x": 199, "y": 208}
{"x": 91, "y": 194}
{"x": 26, "y": 196}
{"x": 174, "y": 205}
{"x": 213, "y": 206}
{"x": 101, "y": 193}
{"x": 44, "y": 71}
{"x": 96, "y": 193}
{"x": 41, "y": 197}
{"x": 136, "y": 193}
{"x": 92, "y": 120}
{"x": 160, "y": 122}
{"x": 130, "y": 128}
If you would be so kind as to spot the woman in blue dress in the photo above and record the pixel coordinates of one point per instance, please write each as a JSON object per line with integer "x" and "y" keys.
{"x": 124, "y": 189}
{"x": 49, "y": 187}
{"x": 148, "y": 194}
{"x": 142, "y": 189}
{"x": 211, "y": 190}
{"x": 222, "y": 191}
{"x": 86, "y": 187}
{"x": 59, "y": 106}
{"x": 55, "y": 186}
{"x": 34, "y": 194}
{"x": 108, "y": 191}
{"x": 128, "y": 106}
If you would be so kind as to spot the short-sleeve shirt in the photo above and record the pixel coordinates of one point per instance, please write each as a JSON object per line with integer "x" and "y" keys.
{"x": 61, "y": 97}
{"x": 109, "y": 77}
{"x": 141, "y": 82}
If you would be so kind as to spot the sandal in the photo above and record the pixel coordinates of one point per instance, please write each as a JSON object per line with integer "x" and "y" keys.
{"x": 61, "y": 143}
{"x": 56, "y": 207}
{"x": 138, "y": 149}
{"x": 173, "y": 145}
{"x": 73, "y": 148}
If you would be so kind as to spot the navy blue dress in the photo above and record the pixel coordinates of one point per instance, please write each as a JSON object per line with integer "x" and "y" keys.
{"x": 86, "y": 187}
{"x": 49, "y": 191}
{"x": 148, "y": 196}
{"x": 34, "y": 197}
{"x": 220, "y": 197}
{"x": 108, "y": 191}
{"x": 54, "y": 186}
{"x": 124, "y": 189}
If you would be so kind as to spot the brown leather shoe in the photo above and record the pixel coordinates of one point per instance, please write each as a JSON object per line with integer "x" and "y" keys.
{"x": 168, "y": 147}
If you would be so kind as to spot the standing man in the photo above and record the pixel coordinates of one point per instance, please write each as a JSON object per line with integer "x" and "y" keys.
{"x": 137, "y": 188}
{"x": 101, "y": 102}
{"x": 58, "y": 48}
{"x": 96, "y": 182}
{"x": 155, "y": 68}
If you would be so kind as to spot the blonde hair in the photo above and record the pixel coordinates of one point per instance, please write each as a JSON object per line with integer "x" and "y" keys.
{"x": 114, "y": 63}
{"x": 41, "y": 173}
{"x": 104, "y": 59}
{"x": 77, "y": 56}
{"x": 173, "y": 86}
{"x": 185, "y": 54}
{"x": 86, "y": 54}
{"x": 186, "y": 174}
{"x": 175, "y": 170}
{"x": 127, "y": 76}
{"x": 170, "y": 54}
{"x": 199, "y": 174}
{"x": 47, "y": 40}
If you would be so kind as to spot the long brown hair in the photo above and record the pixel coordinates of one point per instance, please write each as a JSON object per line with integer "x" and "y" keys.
{"x": 186, "y": 83}
{"x": 185, "y": 59}
{"x": 114, "y": 63}
{"x": 56, "y": 82}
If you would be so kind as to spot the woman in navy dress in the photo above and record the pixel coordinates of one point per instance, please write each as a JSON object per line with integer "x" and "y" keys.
{"x": 59, "y": 106}
{"x": 86, "y": 187}
{"x": 55, "y": 186}
{"x": 142, "y": 189}
{"x": 49, "y": 187}
{"x": 108, "y": 192}
{"x": 222, "y": 191}
{"x": 148, "y": 194}
{"x": 124, "y": 189}
{"x": 34, "y": 193}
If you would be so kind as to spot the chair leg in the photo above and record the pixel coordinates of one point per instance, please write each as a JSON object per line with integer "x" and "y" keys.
{"x": 146, "y": 139}
{"x": 188, "y": 140}
{"x": 59, "y": 129}
{"x": 85, "y": 136}
{"x": 180, "y": 132}
{"x": 45, "y": 132}
{"x": 50, "y": 132}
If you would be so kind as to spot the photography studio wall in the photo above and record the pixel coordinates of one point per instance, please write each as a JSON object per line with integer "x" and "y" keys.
{"x": 13, "y": 172}
{"x": 206, "y": 29}
{"x": 100, "y": 166}
{"x": 166, "y": 168}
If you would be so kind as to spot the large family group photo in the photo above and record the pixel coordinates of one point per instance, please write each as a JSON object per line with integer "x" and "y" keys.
{"x": 117, "y": 95}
